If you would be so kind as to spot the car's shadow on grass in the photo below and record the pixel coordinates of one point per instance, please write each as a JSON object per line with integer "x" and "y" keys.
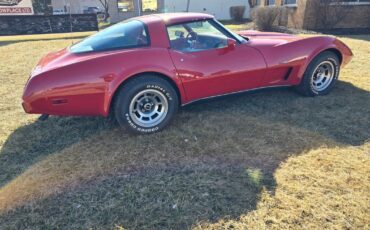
{"x": 210, "y": 164}
{"x": 31, "y": 143}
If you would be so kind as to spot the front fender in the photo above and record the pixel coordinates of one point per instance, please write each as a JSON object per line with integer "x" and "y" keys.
{"x": 324, "y": 43}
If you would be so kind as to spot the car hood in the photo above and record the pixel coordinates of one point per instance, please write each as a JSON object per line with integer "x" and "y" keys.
{"x": 267, "y": 39}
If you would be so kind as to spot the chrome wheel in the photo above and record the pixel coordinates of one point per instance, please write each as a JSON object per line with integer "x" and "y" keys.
{"x": 323, "y": 76}
{"x": 148, "y": 108}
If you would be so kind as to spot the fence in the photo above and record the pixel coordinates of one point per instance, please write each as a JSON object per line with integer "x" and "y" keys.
{"x": 41, "y": 24}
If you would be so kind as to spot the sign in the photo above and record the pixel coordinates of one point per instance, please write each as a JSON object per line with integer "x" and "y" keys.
{"x": 16, "y": 7}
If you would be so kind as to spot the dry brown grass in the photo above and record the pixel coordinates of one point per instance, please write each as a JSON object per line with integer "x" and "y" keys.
{"x": 38, "y": 37}
{"x": 318, "y": 190}
{"x": 271, "y": 159}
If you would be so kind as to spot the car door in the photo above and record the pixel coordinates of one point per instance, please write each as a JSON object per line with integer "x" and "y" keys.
{"x": 210, "y": 63}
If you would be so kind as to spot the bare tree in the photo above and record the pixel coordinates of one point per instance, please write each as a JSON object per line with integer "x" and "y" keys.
{"x": 252, "y": 3}
{"x": 328, "y": 13}
{"x": 106, "y": 9}
{"x": 188, "y": 6}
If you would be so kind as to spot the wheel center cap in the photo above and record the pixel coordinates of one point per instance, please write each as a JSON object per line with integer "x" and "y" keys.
{"x": 148, "y": 106}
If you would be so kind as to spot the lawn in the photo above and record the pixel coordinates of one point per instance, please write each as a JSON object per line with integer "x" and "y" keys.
{"x": 266, "y": 160}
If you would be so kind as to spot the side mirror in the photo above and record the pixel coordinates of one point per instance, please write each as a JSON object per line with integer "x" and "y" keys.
{"x": 231, "y": 43}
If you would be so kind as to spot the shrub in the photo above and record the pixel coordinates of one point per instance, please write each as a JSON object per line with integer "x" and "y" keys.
{"x": 265, "y": 17}
{"x": 237, "y": 13}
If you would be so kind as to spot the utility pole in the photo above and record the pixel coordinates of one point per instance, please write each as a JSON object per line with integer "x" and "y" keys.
{"x": 139, "y": 7}
{"x": 70, "y": 15}
{"x": 188, "y": 6}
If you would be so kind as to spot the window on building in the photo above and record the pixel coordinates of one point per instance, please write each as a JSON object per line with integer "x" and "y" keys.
{"x": 149, "y": 5}
{"x": 290, "y": 2}
{"x": 349, "y": 2}
{"x": 125, "y": 5}
{"x": 270, "y": 2}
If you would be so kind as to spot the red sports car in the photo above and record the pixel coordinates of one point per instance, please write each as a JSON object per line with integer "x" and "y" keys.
{"x": 141, "y": 70}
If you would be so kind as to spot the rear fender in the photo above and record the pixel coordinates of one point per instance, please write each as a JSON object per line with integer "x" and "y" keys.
{"x": 155, "y": 62}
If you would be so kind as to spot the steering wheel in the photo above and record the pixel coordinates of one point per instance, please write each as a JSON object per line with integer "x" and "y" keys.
{"x": 192, "y": 36}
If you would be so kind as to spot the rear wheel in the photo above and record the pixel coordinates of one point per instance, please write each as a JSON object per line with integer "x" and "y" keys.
{"x": 146, "y": 104}
{"x": 320, "y": 76}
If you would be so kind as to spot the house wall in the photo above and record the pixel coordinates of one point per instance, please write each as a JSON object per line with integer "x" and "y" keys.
{"x": 304, "y": 15}
{"x": 76, "y": 6}
{"x": 219, "y": 8}
{"x": 292, "y": 16}
{"x": 357, "y": 16}
{"x": 42, "y": 24}
{"x": 116, "y": 16}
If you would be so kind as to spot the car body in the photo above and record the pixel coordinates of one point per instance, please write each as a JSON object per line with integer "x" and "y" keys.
{"x": 9, "y": 2}
{"x": 85, "y": 83}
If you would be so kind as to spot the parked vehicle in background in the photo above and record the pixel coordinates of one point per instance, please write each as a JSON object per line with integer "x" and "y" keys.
{"x": 92, "y": 10}
{"x": 58, "y": 12}
{"x": 9, "y": 2}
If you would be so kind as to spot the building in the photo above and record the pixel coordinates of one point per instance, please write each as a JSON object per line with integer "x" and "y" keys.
{"x": 321, "y": 14}
{"x": 75, "y": 6}
{"x": 8, "y": 8}
{"x": 122, "y": 9}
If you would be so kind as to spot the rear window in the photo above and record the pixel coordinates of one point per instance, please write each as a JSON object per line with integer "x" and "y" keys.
{"x": 128, "y": 34}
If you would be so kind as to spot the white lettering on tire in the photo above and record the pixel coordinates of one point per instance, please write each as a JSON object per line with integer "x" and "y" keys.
{"x": 168, "y": 95}
{"x": 139, "y": 129}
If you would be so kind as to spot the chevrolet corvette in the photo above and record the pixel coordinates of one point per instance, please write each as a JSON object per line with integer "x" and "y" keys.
{"x": 141, "y": 70}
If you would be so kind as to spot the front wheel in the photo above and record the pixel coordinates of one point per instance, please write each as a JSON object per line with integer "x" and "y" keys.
{"x": 146, "y": 104}
{"x": 320, "y": 76}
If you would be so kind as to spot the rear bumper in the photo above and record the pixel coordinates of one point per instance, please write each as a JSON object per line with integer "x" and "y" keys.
{"x": 34, "y": 106}
{"x": 26, "y": 107}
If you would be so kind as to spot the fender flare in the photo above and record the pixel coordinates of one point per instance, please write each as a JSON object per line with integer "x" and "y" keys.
{"x": 114, "y": 88}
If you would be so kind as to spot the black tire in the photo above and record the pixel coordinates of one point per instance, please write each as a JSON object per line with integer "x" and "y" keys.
{"x": 307, "y": 86}
{"x": 158, "y": 90}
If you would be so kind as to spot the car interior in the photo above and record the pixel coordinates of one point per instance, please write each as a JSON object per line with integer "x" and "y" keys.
{"x": 122, "y": 35}
{"x": 196, "y": 36}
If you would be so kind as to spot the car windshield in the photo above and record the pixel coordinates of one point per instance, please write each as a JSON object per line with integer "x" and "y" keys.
{"x": 237, "y": 36}
{"x": 128, "y": 34}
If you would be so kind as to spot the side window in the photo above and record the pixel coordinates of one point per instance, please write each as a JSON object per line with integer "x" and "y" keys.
{"x": 128, "y": 34}
{"x": 196, "y": 36}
